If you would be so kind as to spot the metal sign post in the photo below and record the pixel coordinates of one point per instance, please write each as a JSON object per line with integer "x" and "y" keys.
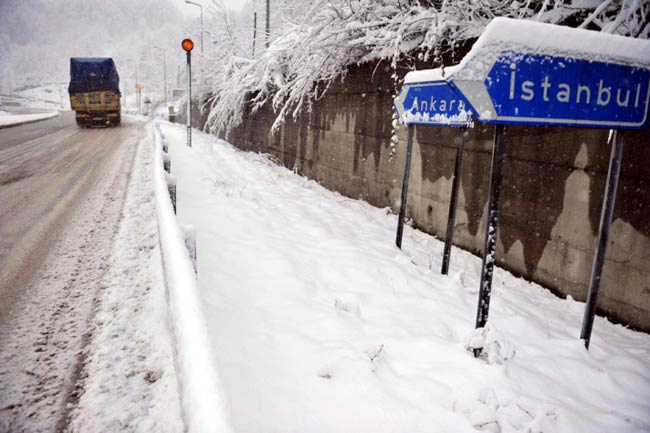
{"x": 405, "y": 186}
{"x": 490, "y": 242}
{"x": 426, "y": 99}
{"x": 188, "y": 45}
{"x": 603, "y": 234}
{"x": 453, "y": 203}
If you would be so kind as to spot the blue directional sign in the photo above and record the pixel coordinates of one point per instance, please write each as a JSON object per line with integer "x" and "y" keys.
{"x": 431, "y": 103}
{"x": 535, "y": 89}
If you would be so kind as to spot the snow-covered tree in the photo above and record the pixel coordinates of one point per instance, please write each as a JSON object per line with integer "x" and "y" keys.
{"x": 313, "y": 43}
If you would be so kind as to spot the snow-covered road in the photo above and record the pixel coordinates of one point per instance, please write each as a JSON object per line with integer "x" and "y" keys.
{"x": 84, "y": 337}
{"x": 319, "y": 324}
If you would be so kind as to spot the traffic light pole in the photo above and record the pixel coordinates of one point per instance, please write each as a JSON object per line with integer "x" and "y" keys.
{"x": 189, "y": 98}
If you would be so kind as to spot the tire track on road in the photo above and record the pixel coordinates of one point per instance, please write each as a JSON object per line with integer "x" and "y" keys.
{"x": 45, "y": 326}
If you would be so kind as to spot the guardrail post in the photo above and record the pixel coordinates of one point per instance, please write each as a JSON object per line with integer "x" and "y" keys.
{"x": 167, "y": 163}
{"x": 189, "y": 233}
{"x": 171, "y": 188}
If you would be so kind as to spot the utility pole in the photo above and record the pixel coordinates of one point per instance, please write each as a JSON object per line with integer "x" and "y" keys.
{"x": 165, "y": 76}
{"x": 268, "y": 22}
{"x": 137, "y": 98}
{"x": 126, "y": 87}
{"x": 254, "y": 31}
{"x": 164, "y": 70}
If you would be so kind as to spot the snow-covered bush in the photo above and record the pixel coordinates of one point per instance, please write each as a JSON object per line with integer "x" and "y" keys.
{"x": 313, "y": 42}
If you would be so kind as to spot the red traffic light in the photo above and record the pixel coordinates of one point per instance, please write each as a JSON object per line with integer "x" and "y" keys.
{"x": 187, "y": 45}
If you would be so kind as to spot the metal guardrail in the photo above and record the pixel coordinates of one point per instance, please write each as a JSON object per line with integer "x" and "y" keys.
{"x": 204, "y": 409}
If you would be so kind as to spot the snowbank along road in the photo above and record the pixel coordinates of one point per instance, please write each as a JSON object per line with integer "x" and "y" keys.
{"x": 14, "y": 116}
{"x": 82, "y": 310}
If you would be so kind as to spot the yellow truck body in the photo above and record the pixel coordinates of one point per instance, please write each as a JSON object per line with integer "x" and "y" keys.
{"x": 96, "y": 108}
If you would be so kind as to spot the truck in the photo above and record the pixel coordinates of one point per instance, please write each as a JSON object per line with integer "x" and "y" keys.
{"x": 95, "y": 91}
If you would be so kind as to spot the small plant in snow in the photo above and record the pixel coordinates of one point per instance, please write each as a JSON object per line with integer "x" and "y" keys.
{"x": 347, "y": 307}
{"x": 495, "y": 349}
{"x": 374, "y": 355}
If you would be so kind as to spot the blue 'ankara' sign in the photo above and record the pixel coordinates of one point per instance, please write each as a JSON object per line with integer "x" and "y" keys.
{"x": 431, "y": 103}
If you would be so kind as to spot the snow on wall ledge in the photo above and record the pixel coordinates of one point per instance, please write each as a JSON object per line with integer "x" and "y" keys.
{"x": 204, "y": 409}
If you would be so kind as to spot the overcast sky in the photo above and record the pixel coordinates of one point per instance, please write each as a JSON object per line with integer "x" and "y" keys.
{"x": 190, "y": 10}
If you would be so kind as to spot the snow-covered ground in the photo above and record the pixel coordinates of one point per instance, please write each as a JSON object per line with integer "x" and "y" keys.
{"x": 8, "y": 118}
{"x": 318, "y": 323}
{"x": 45, "y": 96}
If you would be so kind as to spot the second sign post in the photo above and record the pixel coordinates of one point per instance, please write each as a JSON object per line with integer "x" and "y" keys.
{"x": 427, "y": 100}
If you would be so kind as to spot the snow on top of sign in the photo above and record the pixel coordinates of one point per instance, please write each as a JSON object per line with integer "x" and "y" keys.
{"x": 507, "y": 34}
{"x": 426, "y": 75}
{"x": 462, "y": 118}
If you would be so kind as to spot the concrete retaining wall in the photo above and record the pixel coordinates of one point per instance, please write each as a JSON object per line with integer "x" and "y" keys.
{"x": 554, "y": 179}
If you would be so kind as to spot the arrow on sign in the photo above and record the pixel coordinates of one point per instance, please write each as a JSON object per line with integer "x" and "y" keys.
{"x": 507, "y": 81}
